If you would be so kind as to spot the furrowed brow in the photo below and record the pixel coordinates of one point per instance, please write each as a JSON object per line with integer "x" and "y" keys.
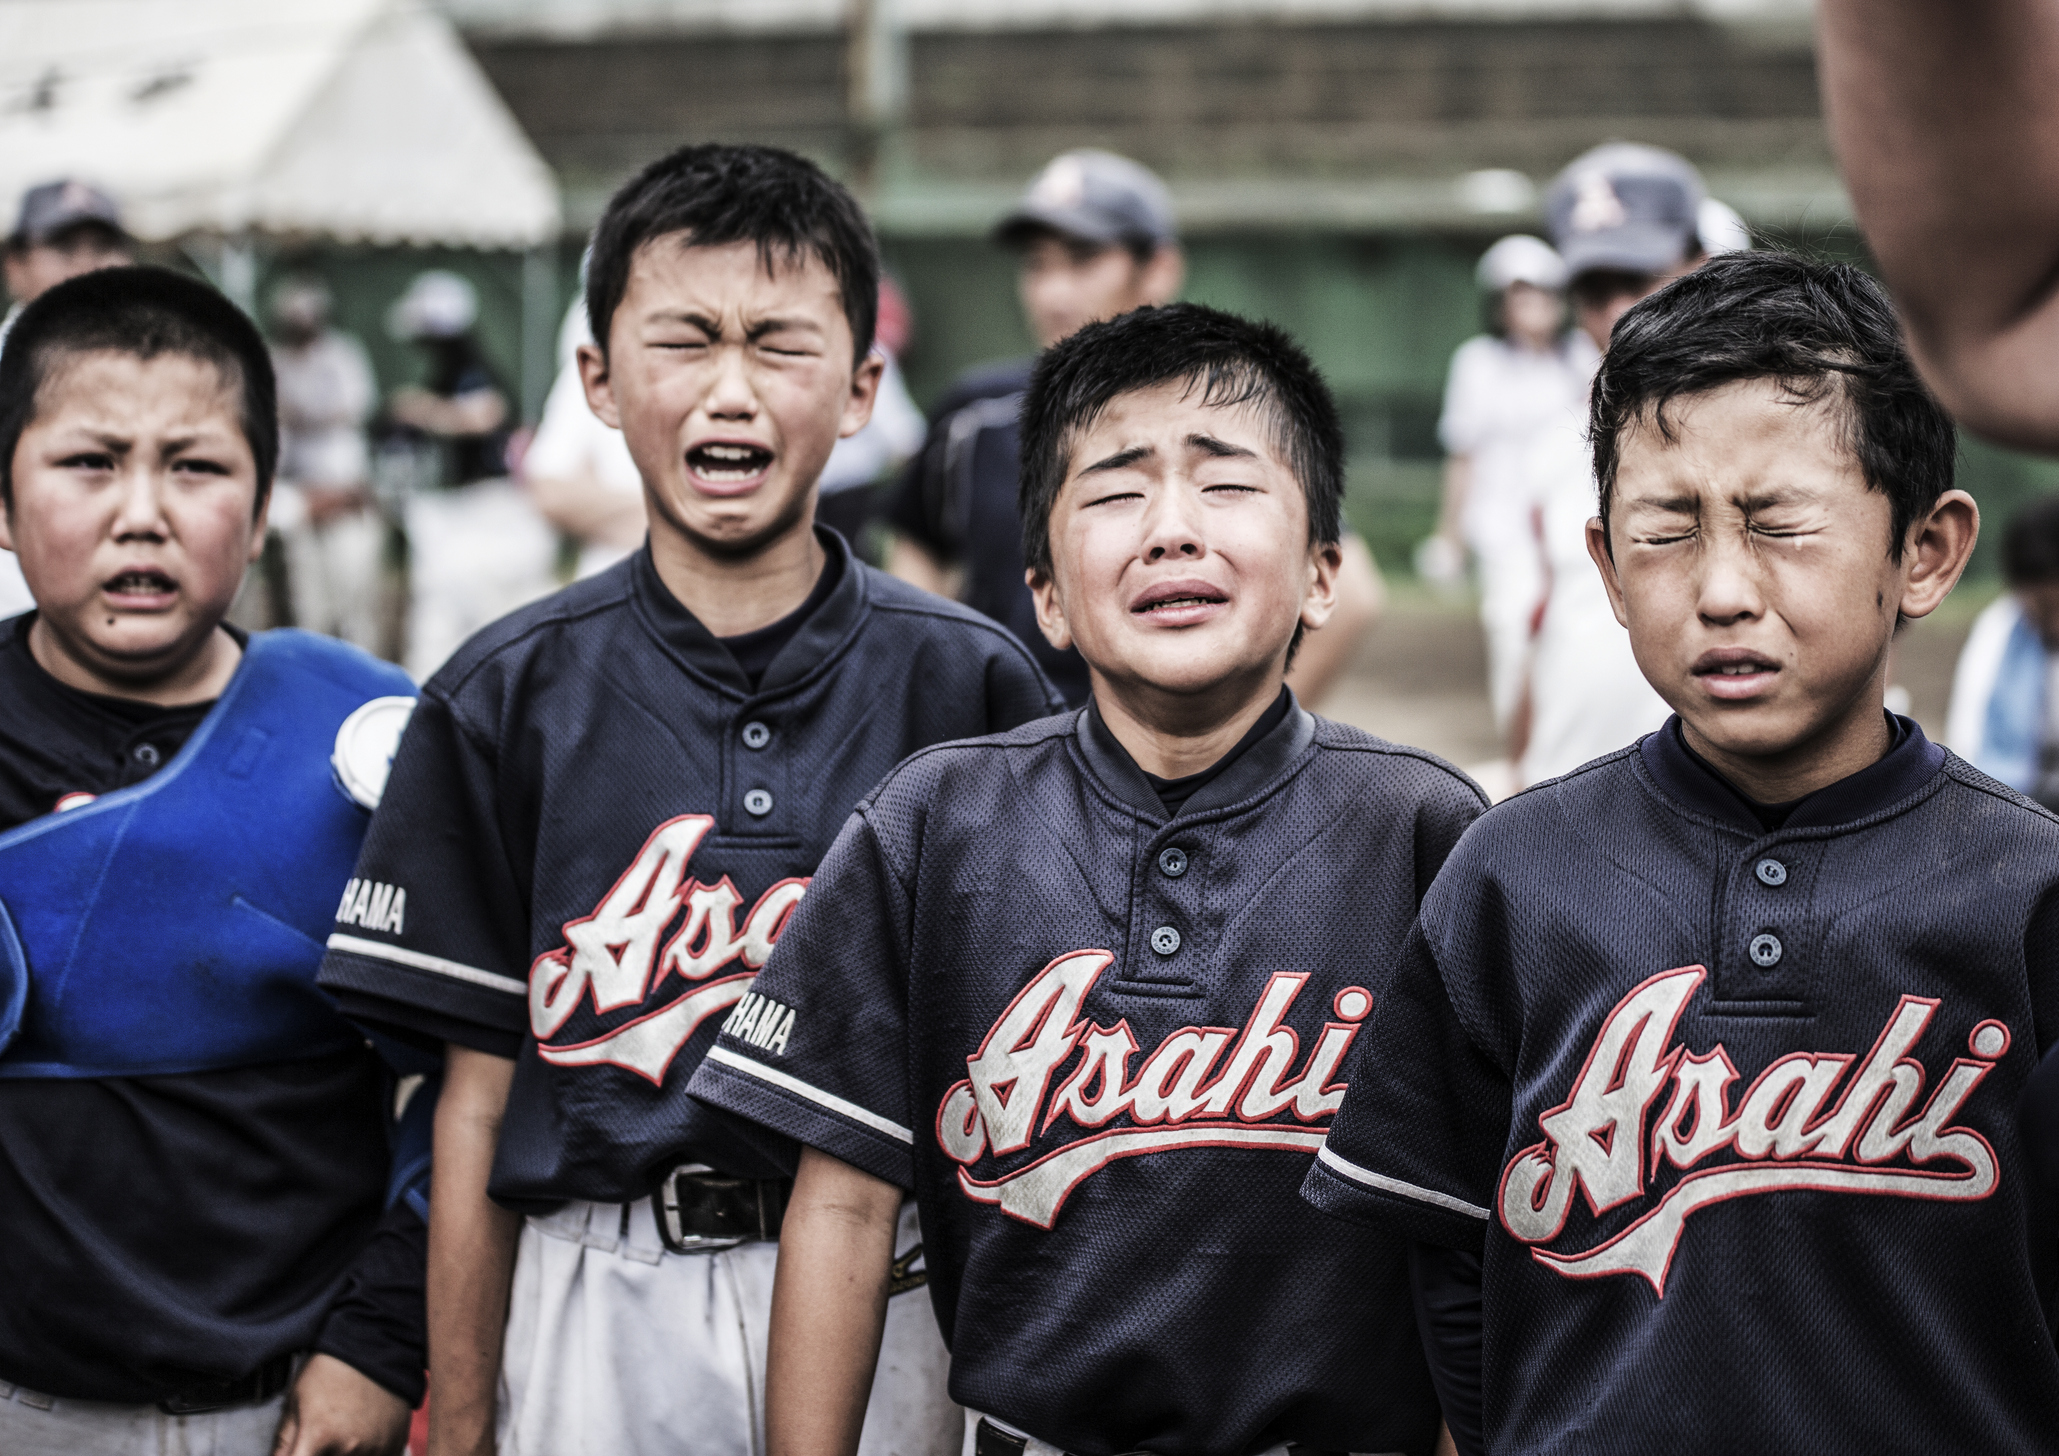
{"x": 1121, "y": 459}
{"x": 782, "y": 325}
{"x": 1210, "y": 445}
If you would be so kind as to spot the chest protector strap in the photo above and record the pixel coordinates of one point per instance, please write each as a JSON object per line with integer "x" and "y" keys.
{"x": 176, "y": 926}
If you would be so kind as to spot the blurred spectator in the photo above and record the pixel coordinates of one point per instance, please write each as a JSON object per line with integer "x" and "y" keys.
{"x": 477, "y": 546}
{"x": 860, "y": 462}
{"x": 2004, "y": 716}
{"x": 63, "y": 229}
{"x": 577, "y": 466}
{"x": 580, "y": 475}
{"x": 1505, "y": 388}
{"x": 1096, "y": 237}
{"x": 1627, "y": 220}
{"x": 322, "y": 506}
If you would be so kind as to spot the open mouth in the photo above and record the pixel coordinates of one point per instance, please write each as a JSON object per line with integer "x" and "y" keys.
{"x": 1179, "y": 602}
{"x": 140, "y": 583}
{"x": 1735, "y": 672}
{"x": 721, "y": 462}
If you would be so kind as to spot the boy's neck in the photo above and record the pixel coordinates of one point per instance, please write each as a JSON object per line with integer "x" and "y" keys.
{"x": 199, "y": 677}
{"x": 1172, "y": 736}
{"x": 732, "y": 595}
{"x": 1858, "y": 739}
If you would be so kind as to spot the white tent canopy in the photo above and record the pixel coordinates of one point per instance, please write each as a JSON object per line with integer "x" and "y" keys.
{"x": 361, "y": 120}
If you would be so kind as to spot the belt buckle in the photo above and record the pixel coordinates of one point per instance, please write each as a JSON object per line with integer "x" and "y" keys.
{"x": 690, "y": 1194}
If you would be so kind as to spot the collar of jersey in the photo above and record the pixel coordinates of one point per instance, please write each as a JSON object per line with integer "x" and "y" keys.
{"x": 1906, "y": 768}
{"x": 1260, "y": 764}
{"x": 824, "y": 631}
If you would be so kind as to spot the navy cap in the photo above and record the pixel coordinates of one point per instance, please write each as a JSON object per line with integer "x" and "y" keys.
{"x": 56, "y": 207}
{"x": 1625, "y": 207}
{"x": 1096, "y": 197}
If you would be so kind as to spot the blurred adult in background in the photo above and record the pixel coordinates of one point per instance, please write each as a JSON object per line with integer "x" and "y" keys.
{"x": 63, "y": 229}
{"x": 2004, "y": 715}
{"x": 580, "y": 475}
{"x": 1627, "y": 220}
{"x": 1945, "y": 118}
{"x": 1505, "y": 388}
{"x": 1096, "y": 237}
{"x": 322, "y": 506}
{"x": 477, "y": 546}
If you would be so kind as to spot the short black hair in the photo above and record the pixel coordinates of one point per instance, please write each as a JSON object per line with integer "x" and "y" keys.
{"x": 2030, "y": 544}
{"x": 1230, "y": 360}
{"x": 147, "y": 313}
{"x": 718, "y": 195}
{"x": 1822, "y": 330}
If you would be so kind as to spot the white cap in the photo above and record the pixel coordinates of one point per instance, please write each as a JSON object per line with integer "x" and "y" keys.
{"x": 1720, "y": 229}
{"x": 1520, "y": 259}
{"x": 437, "y": 305}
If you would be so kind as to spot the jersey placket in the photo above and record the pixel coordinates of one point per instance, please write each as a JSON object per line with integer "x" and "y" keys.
{"x": 1763, "y": 944}
{"x": 1169, "y": 937}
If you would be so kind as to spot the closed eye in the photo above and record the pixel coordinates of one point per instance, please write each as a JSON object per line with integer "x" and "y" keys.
{"x": 200, "y": 465}
{"x": 1120, "y": 495}
{"x": 88, "y": 460}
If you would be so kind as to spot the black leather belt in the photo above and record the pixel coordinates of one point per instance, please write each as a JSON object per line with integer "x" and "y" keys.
{"x": 700, "y": 1211}
{"x": 259, "y": 1386}
{"x": 990, "y": 1440}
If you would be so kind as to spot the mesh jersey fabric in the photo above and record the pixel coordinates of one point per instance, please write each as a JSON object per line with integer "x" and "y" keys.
{"x": 598, "y": 829}
{"x": 1734, "y": 1112}
{"x": 1100, "y": 1047}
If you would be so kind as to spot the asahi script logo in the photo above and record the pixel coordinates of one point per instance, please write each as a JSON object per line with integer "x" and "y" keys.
{"x": 1202, "y": 1087}
{"x": 655, "y": 929}
{"x": 1827, "y": 1121}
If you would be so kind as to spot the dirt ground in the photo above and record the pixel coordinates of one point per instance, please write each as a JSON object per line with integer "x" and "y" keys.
{"x": 1420, "y": 675}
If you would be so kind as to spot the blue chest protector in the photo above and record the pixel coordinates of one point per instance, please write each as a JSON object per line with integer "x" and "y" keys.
{"x": 176, "y": 926}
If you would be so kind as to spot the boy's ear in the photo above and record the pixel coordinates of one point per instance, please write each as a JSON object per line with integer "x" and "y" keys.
{"x": 864, "y": 392}
{"x": 1325, "y": 561}
{"x": 1936, "y": 551}
{"x": 257, "y": 527}
{"x": 1050, "y": 611}
{"x": 600, "y": 390}
{"x": 1598, "y": 549}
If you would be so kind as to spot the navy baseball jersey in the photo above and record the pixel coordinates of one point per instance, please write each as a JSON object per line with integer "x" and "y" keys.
{"x": 596, "y": 828}
{"x": 1733, "y": 1109}
{"x": 1101, "y": 1046}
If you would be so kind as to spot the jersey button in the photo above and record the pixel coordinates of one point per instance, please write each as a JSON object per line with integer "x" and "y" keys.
{"x": 756, "y": 735}
{"x": 1165, "y": 940}
{"x": 1173, "y": 861}
{"x": 146, "y": 754}
{"x": 1771, "y": 872}
{"x": 758, "y": 802}
{"x": 1765, "y": 951}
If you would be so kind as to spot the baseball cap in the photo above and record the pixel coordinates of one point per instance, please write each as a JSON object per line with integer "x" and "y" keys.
{"x": 54, "y": 207}
{"x": 1721, "y": 229}
{"x": 1625, "y": 206}
{"x": 1094, "y": 196}
{"x": 437, "y": 305}
{"x": 1520, "y": 258}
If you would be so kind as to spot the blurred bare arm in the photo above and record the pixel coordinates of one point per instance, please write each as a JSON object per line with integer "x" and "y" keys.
{"x": 829, "y": 1306}
{"x": 1451, "y": 510}
{"x": 915, "y": 564}
{"x": 1945, "y": 118}
{"x": 1324, "y": 655}
{"x": 480, "y": 412}
{"x": 471, "y": 1255}
{"x": 583, "y": 506}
